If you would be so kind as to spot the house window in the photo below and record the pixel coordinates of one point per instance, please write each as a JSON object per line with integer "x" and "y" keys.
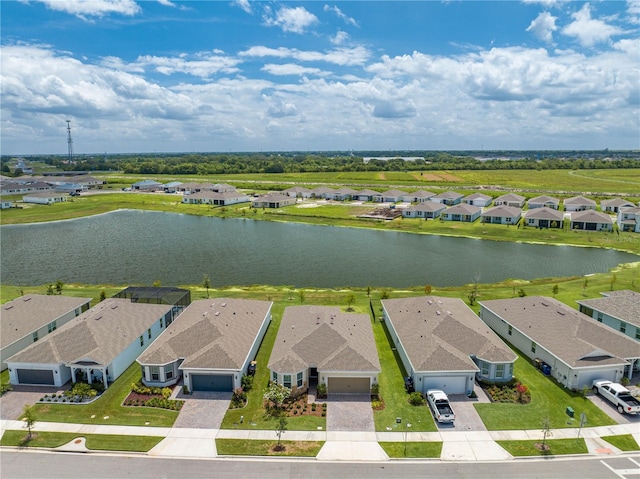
{"x": 274, "y": 377}
{"x": 599, "y": 317}
{"x": 168, "y": 371}
{"x": 142, "y": 340}
{"x": 510, "y": 330}
{"x": 499, "y": 371}
{"x": 286, "y": 381}
{"x": 155, "y": 373}
{"x": 52, "y": 326}
{"x": 299, "y": 379}
{"x": 533, "y": 347}
{"x": 623, "y": 327}
{"x": 485, "y": 369}
{"x": 638, "y": 333}
{"x": 149, "y": 333}
{"x": 161, "y": 323}
{"x": 34, "y": 336}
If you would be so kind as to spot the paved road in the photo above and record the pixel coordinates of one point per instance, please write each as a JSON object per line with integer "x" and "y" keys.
{"x": 27, "y": 465}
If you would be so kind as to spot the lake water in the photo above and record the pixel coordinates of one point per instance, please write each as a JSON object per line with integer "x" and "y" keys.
{"x": 139, "y": 247}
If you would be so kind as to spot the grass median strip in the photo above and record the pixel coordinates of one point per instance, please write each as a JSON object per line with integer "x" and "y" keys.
{"x": 624, "y": 442}
{"x": 97, "y": 442}
{"x": 398, "y": 450}
{"x": 556, "y": 447}
{"x": 242, "y": 447}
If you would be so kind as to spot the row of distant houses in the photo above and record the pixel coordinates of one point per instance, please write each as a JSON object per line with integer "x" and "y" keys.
{"x": 209, "y": 344}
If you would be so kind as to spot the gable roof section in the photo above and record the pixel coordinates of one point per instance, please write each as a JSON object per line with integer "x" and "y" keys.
{"x": 326, "y": 338}
{"x": 503, "y": 211}
{"x": 544, "y": 199}
{"x": 476, "y": 196}
{"x": 101, "y": 334}
{"x": 591, "y": 216}
{"x": 429, "y": 206}
{"x": 215, "y": 333}
{"x": 566, "y": 333}
{"x": 623, "y": 305}
{"x": 441, "y": 334}
{"x": 510, "y": 197}
{"x": 619, "y": 202}
{"x": 579, "y": 200}
{"x": 448, "y": 195}
{"x": 464, "y": 209}
{"x": 544, "y": 213}
{"x": 26, "y": 314}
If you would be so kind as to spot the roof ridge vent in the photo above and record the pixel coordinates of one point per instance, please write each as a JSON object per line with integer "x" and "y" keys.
{"x": 28, "y": 298}
{"x": 561, "y": 313}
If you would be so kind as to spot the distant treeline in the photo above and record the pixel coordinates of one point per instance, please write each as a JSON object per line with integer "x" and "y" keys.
{"x": 292, "y": 162}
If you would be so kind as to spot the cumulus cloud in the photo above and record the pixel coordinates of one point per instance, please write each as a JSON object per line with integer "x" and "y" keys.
{"x": 390, "y": 109}
{"x": 347, "y": 19}
{"x": 545, "y": 3}
{"x": 202, "y": 64}
{"x": 543, "y": 27}
{"x": 339, "y": 38}
{"x": 243, "y": 4}
{"x": 295, "y": 20}
{"x": 339, "y": 56}
{"x": 589, "y": 31}
{"x": 279, "y": 108}
{"x": 93, "y": 8}
{"x": 293, "y": 69}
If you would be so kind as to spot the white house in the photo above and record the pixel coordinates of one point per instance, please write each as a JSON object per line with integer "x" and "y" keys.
{"x": 448, "y": 198}
{"x": 629, "y": 219}
{"x": 211, "y": 346}
{"x": 97, "y": 346}
{"x": 45, "y": 197}
{"x": 298, "y": 192}
{"x": 503, "y": 215}
{"x": 322, "y": 192}
{"x": 620, "y": 310}
{"x": 323, "y": 345}
{"x": 544, "y": 202}
{"x": 510, "y": 199}
{"x": 426, "y": 210}
{"x": 444, "y": 345}
{"x": 215, "y": 198}
{"x": 344, "y": 194}
{"x": 147, "y": 185}
{"x": 27, "y": 319}
{"x": 392, "y": 196}
{"x": 368, "y": 195}
{"x": 463, "y": 212}
{"x": 478, "y": 199}
{"x": 579, "y": 203}
{"x": 273, "y": 200}
{"x": 418, "y": 196}
{"x": 6, "y": 204}
{"x": 590, "y": 220}
{"x": 544, "y": 218}
{"x": 577, "y": 348}
{"x": 615, "y": 205}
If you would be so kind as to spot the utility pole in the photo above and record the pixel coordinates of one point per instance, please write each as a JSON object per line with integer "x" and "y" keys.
{"x": 69, "y": 142}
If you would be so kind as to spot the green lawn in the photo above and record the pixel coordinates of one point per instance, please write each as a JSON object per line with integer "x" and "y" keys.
{"x": 547, "y": 399}
{"x": 397, "y": 450}
{"x": 557, "y": 447}
{"x": 108, "y": 408}
{"x": 625, "y": 442}
{"x": 241, "y": 447}
{"x": 97, "y": 442}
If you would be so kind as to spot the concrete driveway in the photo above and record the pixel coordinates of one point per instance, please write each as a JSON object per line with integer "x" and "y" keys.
{"x": 610, "y": 410}
{"x": 350, "y": 412}
{"x": 203, "y": 410}
{"x": 12, "y": 403}
{"x": 467, "y": 419}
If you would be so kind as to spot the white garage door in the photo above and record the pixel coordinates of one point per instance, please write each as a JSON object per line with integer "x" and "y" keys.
{"x": 448, "y": 384}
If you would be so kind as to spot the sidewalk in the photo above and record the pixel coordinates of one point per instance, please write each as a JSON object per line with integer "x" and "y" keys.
{"x": 339, "y": 445}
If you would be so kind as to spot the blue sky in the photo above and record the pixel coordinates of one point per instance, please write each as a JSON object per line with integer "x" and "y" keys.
{"x": 243, "y": 75}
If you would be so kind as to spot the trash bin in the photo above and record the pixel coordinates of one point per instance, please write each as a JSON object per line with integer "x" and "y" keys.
{"x": 569, "y": 411}
{"x": 546, "y": 369}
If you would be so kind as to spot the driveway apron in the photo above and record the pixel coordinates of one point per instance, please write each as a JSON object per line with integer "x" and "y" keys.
{"x": 203, "y": 410}
{"x": 350, "y": 412}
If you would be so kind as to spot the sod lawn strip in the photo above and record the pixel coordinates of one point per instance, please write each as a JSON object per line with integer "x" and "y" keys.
{"x": 556, "y": 447}
{"x": 94, "y": 442}
{"x": 242, "y": 447}
{"x": 398, "y": 450}
{"x": 624, "y": 442}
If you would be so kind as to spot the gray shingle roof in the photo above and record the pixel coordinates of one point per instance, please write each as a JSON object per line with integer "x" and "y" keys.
{"x": 440, "y": 334}
{"x": 544, "y": 199}
{"x": 591, "y": 216}
{"x": 326, "y": 338}
{"x": 503, "y": 211}
{"x": 544, "y": 213}
{"x": 623, "y": 305}
{"x": 99, "y": 334}
{"x": 464, "y": 209}
{"x": 568, "y": 334}
{"x": 26, "y": 314}
{"x": 215, "y": 333}
{"x": 579, "y": 200}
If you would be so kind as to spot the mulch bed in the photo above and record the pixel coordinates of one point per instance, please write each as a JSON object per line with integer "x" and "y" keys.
{"x": 299, "y": 407}
{"x": 139, "y": 398}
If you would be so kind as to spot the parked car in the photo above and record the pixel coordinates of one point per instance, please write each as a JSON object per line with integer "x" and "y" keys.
{"x": 408, "y": 384}
{"x": 439, "y": 404}
{"x": 618, "y": 395}
{"x": 74, "y": 193}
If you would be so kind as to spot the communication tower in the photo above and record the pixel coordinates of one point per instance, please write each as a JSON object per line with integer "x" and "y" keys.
{"x": 69, "y": 142}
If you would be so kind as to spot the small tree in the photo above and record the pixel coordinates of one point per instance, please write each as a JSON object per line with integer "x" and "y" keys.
{"x": 301, "y": 296}
{"x": 522, "y": 293}
{"x": 281, "y": 426}
{"x": 555, "y": 290}
{"x": 103, "y": 295}
{"x": 157, "y": 283}
{"x": 49, "y": 289}
{"x": 584, "y": 286}
{"x": 83, "y": 391}
{"x": 59, "y": 285}
{"x": 472, "y": 298}
{"x": 546, "y": 431}
{"x": 351, "y": 298}
{"x": 428, "y": 289}
{"x": 369, "y": 291}
{"x": 206, "y": 283}
{"x": 29, "y": 418}
{"x": 614, "y": 277}
{"x": 276, "y": 393}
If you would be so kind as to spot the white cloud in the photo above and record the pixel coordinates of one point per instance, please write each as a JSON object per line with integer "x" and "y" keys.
{"x": 93, "y": 8}
{"x": 589, "y": 31}
{"x": 347, "y": 19}
{"x": 339, "y": 56}
{"x": 339, "y": 38}
{"x": 545, "y": 3}
{"x": 543, "y": 27}
{"x": 292, "y": 69}
{"x": 295, "y": 20}
{"x": 633, "y": 11}
{"x": 201, "y": 64}
{"x": 243, "y": 4}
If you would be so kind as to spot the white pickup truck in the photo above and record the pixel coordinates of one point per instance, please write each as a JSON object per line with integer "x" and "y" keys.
{"x": 618, "y": 395}
{"x": 439, "y": 404}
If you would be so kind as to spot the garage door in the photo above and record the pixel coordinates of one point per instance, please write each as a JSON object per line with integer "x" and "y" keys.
{"x": 448, "y": 384}
{"x": 35, "y": 376}
{"x": 212, "y": 382}
{"x": 349, "y": 385}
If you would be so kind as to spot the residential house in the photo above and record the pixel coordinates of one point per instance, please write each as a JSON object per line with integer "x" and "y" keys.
{"x": 223, "y": 188}
{"x": 579, "y": 203}
{"x": 392, "y": 196}
{"x": 178, "y": 298}
{"x": 448, "y": 198}
{"x": 463, "y": 212}
{"x": 273, "y": 200}
{"x": 190, "y": 188}
{"x": 620, "y": 310}
{"x": 418, "y": 196}
{"x": 629, "y": 219}
{"x": 30, "y": 318}
{"x": 322, "y": 192}
{"x": 615, "y": 205}
{"x": 323, "y": 345}
{"x": 211, "y": 346}
{"x": 578, "y": 349}
{"x": 215, "y": 198}
{"x": 510, "y": 199}
{"x": 172, "y": 186}
{"x": 70, "y": 188}
{"x": 97, "y": 346}
{"x": 368, "y": 195}
{"x": 444, "y": 345}
{"x": 147, "y": 185}
{"x": 427, "y": 210}
{"x": 45, "y": 198}
{"x": 503, "y": 215}
{"x": 544, "y": 202}
{"x": 344, "y": 194}
{"x": 590, "y": 220}
{"x": 298, "y": 192}
{"x": 14, "y": 187}
{"x": 6, "y": 204}
{"x": 544, "y": 217}
{"x": 477, "y": 199}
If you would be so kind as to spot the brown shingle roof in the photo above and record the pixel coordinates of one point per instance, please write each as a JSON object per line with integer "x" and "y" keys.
{"x": 623, "y": 305}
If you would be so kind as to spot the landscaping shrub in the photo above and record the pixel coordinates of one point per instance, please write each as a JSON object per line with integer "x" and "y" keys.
{"x": 416, "y": 399}
{"x": 239, "y": 398}
{"x": 322, "y": 390}
{"x": 247, "y": 382}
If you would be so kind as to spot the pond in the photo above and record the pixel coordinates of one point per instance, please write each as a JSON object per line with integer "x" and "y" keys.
{"x": 140, "y": 247}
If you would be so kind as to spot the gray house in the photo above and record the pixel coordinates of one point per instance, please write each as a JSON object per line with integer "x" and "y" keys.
{"x": 444, "y": 345}
{"x": 589, "y": 220}
{"x": 30, "y": 318}
{"x": 448, "y": 198}
{"x": 211, "y": 346}
{"x": 463, "y": 212}
{"x": 477, "y": 199}
{"x": 620, "y": 310}
{"x": 615, "y": 205}
{"x": 579, "y": 203}
{"x": 578, "y": 349}
{"x": 544, "y": 218}
{"x": 502, "y": 215}
{"x": 426, "y": 210}
{"x": 323, "y": 345}
{"x": 544, "y": 202}
{"x": 510, "y": 199}
{"x": 629, "y": 219}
